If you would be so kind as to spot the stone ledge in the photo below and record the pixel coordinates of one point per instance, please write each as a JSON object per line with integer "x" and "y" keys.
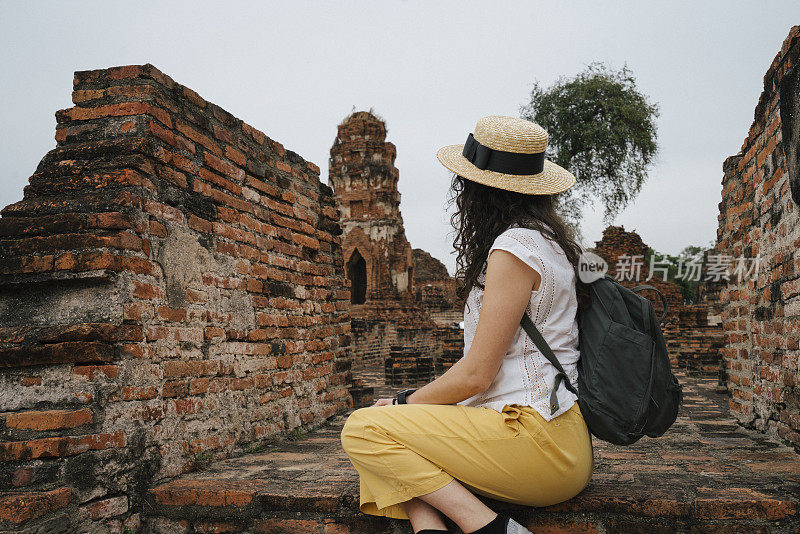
{"x": 94, "y": 276}
{"x": 705, "y": 475}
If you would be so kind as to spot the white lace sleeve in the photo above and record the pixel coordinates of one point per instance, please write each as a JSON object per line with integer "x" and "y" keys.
{"x": 521, "y": 246}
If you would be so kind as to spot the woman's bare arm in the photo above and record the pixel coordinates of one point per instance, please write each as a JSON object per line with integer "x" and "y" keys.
{"x": 508, "y": 286}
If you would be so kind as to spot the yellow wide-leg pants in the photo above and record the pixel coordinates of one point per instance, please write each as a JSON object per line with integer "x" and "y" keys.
{"x": 407, "y": 450}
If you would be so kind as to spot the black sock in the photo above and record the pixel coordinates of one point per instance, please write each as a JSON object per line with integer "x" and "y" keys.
{"x": 497, "y": 525}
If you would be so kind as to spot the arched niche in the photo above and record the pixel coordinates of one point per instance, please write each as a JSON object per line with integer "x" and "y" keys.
{"x": 357, "y": 274}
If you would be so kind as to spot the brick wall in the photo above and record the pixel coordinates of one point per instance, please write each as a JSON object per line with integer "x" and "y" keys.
{"x": 379, "y": 325}
{"x": 171, "y": 289}
{"x": 617, "y": 242}
{"x": 758, "y": 216}
{"x": 435, "y": 289}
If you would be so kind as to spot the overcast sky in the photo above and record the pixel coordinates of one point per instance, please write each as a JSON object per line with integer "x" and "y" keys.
{"x": 295, "y": 69}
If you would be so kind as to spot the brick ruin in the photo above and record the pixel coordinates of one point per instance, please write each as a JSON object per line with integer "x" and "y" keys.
{"x": 759, "y": 216}
{"x": 403, "y": 308}
{"x": 176, "y": 287}
{"x": 615, "y": 243}
{"x": 171, "y": 291}
{"x": 692, "y": 331}
{"x": 377, "y": 254}
{"x": 435, "y": 289}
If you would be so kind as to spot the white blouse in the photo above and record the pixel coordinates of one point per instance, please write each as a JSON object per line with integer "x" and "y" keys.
{"x": 525, "y": 376}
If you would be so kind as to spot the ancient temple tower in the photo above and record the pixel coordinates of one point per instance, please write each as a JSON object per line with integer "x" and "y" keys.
{"x": 377, "y": 255}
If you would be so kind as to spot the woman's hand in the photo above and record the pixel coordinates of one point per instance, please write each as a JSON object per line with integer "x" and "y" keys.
{"x": 382, "y": 402}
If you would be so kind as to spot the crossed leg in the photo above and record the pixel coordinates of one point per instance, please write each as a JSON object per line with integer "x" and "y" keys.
{"x": 401, "y": 452}
{"x": 453, "y": 500}
{"x": 453, "y": 435}
{"x": 422, "y": 515}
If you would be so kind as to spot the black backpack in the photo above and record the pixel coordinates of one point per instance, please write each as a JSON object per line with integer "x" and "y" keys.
{"x": 626, "y": 388}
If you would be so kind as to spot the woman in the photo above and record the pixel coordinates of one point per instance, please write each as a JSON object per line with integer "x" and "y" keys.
{"x": 486, "y": 425}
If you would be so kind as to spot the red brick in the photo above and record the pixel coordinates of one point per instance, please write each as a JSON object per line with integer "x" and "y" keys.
{"x": 632, "y": 526}
{"x": 49, "y": 420}
{"x": 201, "y": 225}
{"x": 172, "y": 138}
{"x": 281, "y": 526}
{"x": 223, "y": 167}
{"x": 256, "y": 135}
{"x": 198, "y": 386}
{"x": 170, "y": 314}
{"x": 209, "y": 493}
{"x": 194, "y": 98}
{"x": 105, "y": 508}
{"x": 139, "y": 392}
{"x": 117, "y": 110}
{"x": 19, "y": 507}
{"x": 146, "y": 291}
{"x": 175, "y": 388}
{"x": 137, "y": 311}
{"x": 198, "y": 137}
{"x": 220, "y": 181}
{"x": 28, "y": 264}
{"x": 564, "y": 526}
{"x": 211, "y": 332}
{"x": 235, "y": 156}
{"x": 59, "y": 446}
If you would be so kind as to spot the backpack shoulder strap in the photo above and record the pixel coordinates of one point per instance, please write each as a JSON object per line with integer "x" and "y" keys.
{"x": 540, "y": 342}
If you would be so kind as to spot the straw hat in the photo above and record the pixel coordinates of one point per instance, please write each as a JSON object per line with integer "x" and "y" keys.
{"x": 507, "y": 153}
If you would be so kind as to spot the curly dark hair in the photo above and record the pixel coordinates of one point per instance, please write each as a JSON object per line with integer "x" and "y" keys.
{"x": 484, "y": 212}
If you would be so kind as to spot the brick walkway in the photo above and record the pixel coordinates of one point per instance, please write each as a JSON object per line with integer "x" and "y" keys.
{"x": 705, "y": 475}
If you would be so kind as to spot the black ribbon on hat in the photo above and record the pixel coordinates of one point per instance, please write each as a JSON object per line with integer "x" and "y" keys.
{"x": 489, "y": 159}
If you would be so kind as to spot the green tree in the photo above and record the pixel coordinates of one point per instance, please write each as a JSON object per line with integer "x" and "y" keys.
{"x": 603, "y": 130}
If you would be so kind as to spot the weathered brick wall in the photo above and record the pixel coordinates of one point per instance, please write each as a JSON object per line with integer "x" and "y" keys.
{"x": 758, "y": 216}
{"x": 617, "y": 242}
{"x": 695, "y": 342}
{"x": 428, "y": 269}
{"x": 408, "y": 367}
{"x": 380, "y": 324}
{"x": 171, "y": 288}
{"x": 435, "y": 289}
